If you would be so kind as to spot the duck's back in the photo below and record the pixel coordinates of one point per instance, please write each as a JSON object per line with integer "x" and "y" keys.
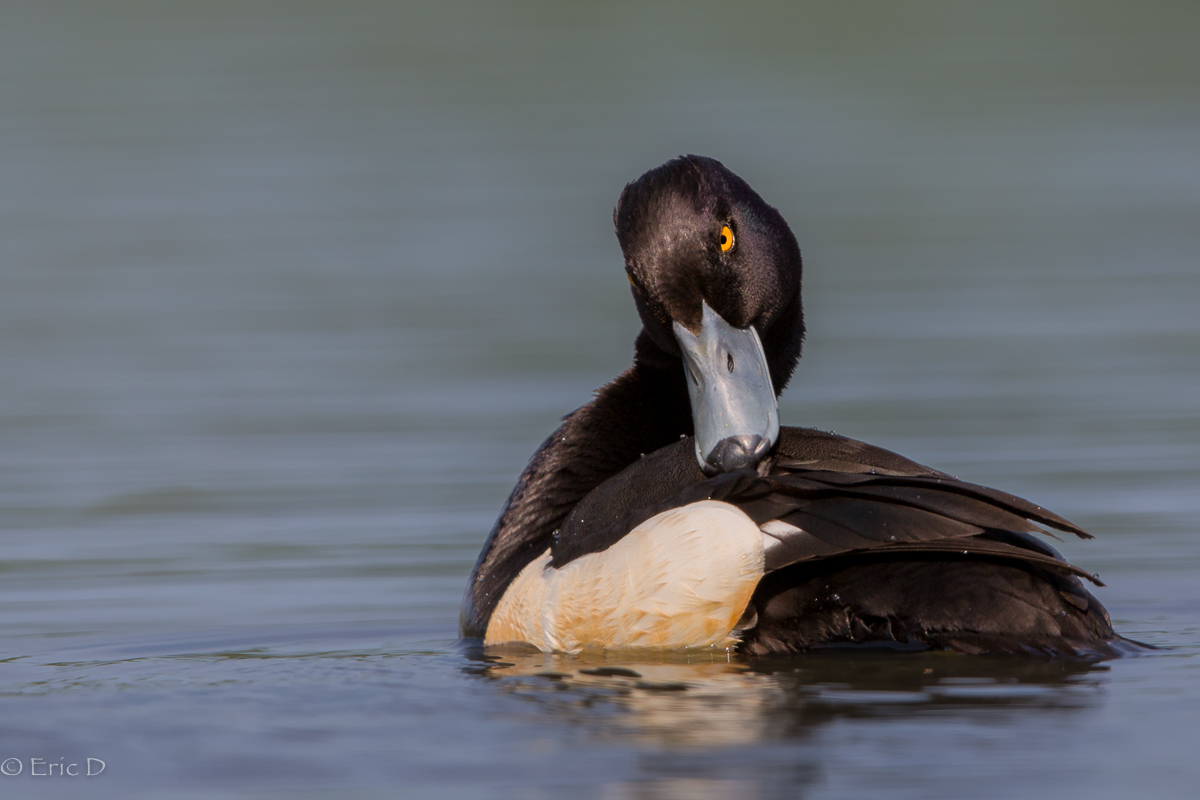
{"x": 865, "y": 547}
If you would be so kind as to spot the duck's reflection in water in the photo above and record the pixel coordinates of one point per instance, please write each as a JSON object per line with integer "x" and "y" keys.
{"x": 713, "y": 724}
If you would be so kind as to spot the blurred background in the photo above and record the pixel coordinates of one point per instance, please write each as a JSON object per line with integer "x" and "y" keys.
{"x": 290, "y": 292}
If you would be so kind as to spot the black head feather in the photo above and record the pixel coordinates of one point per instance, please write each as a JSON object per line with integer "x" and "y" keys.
{"x": 669, "y": 224}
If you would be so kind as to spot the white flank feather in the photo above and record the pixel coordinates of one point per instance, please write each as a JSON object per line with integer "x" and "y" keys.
{"x": 680, "y": 579}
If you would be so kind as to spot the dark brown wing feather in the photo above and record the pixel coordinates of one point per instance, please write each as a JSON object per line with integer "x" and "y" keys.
{"x": 874, "y": 513}
{"x": 947, "y": 487}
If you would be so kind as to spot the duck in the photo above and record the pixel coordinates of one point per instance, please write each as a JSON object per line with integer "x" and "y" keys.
{"x": 674, "y": 512}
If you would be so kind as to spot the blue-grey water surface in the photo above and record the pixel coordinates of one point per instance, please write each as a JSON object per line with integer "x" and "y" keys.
{"x": 289, "y": 293}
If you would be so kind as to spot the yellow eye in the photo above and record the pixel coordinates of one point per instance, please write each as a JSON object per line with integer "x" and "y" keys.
{"x": 726, "y": 239}
{"x": 630, "y": 277}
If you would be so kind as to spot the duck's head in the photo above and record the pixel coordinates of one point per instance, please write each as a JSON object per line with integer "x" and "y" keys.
{"x": 716, "y": 278}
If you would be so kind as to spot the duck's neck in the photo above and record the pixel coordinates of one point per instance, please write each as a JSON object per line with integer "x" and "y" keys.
{"x": 644, "y": 408}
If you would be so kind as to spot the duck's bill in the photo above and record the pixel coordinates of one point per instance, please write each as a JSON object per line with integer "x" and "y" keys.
{"x": 733, "y": 402}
